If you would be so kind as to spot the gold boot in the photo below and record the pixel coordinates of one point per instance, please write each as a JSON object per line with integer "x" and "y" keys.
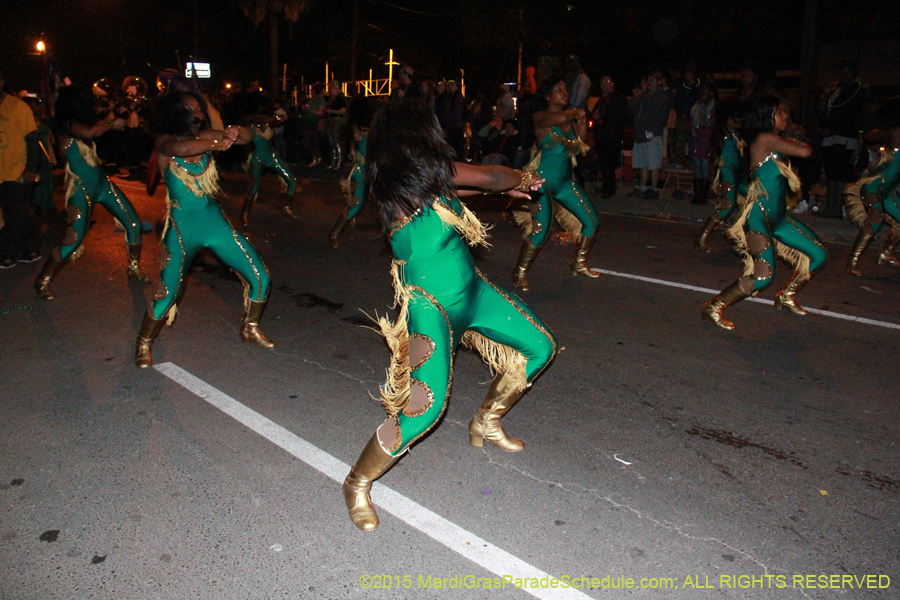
{"x": 859, "y": 246}
{"x": 579, "y": 266}
{"x": 134, "y": 264}
{"x": 712, "y": 310}
{"x": 150, "y": 328}
{"x": 286, "y": 207}
{"x": 339, "y": 226}
{"x": 526, "y": 258}
{"x": 245, "y": 211}
{"x": 886, "y": 257}
{"x": 505, "y": 391}
{"x": 785, "y": 298}
{"x": 708, "y": 227}
{"x": 250, "y": 331}
{"x": 371, "y": 464}
{"x": 48, "y": 272}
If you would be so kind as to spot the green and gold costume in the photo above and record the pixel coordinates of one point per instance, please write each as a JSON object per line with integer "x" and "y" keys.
{"x": 445, "y": 300}
{"x": 195, "y": 221}
{"x": 730, "y": 183}
{"x": 871, "y": 201}
{"x": 764, "y": 230}
{"x": 559, "y": 197}
{"x": 87, "y": 185}
{"x": 265, "y": 157}
{"x": 354, "y": 187}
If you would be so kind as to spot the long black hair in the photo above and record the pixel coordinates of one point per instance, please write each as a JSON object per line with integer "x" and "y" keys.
{"x": 173, "y": 117}
{"x": 408, "y": 161}
{"x": 760, "y": 117}
{"x": 74, "y": 104}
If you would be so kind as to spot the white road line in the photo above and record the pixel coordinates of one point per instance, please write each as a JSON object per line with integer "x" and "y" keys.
{"x": 452, "y": 536}
{"x": 816, "y": 311}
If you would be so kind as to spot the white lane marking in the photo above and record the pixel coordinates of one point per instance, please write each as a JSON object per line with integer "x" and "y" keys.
{"x": 816, "y": 311}
{"x": 452, "y": 536}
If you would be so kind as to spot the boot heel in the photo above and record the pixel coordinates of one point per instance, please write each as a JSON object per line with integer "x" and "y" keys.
{"x": 476, "y": 440}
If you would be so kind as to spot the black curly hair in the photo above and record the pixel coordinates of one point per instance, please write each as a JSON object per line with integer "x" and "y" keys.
{"x": 172, "y": 117}
{"x": 74, "y": 104}
{"x": 408, "y": 161}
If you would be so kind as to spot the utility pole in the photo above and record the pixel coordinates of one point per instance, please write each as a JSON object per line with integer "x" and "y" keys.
{"x": 808, "y": 60}
{"x": 355, "y": 37}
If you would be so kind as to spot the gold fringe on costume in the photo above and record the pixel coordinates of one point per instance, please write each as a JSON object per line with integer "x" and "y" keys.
{"x": 88, "y": 153}
{"x": 171, "y": 314}
{"x": 396, "y": 389}
{"x": 736, "y": 233}
{"x": 500, "y": 358}
{"x": 567, "y": 220}
{"x": 856, "y": 209}
{"x": 204, "y": 183}
{"x": 535, "y": 161}
{"x": 884, "y": 157}
{"x": 573, "y": 147}
{"x": 524, "y": 220}
{"x": 466, "y": 224}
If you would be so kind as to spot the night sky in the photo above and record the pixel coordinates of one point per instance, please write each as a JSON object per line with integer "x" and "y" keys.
{"x": 91, "y": 39}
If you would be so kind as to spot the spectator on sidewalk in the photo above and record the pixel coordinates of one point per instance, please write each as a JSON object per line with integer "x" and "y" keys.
{"x": 650, "y": 107}
{"x": 578, "y": 83}
{"x": 842, "y": 120}
{"x": 19, "y": 153}
{"x": 687, "y": 92}
{"x": 610, "y": 116}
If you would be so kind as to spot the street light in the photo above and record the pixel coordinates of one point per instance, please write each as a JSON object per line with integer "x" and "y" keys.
{"x": 40, "y": 46}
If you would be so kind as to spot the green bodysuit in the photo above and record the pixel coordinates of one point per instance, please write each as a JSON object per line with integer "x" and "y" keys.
{"x": 89, "y": 185}
{"x": 356, "y": 182}
{"x": 445, "y": 300}
{"x": 557, "y": 154}
{"x": 264, "y": 157}
{"x": 731, "y": 177}
{"x": 764, "y": 211}
{"x": 195, "y": 221}
{"x": 876, "y": 194}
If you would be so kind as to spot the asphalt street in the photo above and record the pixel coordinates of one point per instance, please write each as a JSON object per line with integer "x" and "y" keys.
{"x": 663, "y": 455}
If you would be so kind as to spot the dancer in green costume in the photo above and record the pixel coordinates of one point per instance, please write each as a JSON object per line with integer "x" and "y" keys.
{"x": 78, "y": 124}
{"x": 875, "y": 198}
{"x": 559, "y": 132}
{"x": 264, "y": 157}
{"x": 195, "y": 219}
{"x": 731, "y": 176}
{"x": 444, "y": 300}
{"x": 763, "y": 228}
{"x": 359, "y": 117}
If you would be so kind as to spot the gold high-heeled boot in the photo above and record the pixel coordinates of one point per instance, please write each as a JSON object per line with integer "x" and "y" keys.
{"x": 579, "y": 265}
{"x": 48, "y": 272}
{"x": 863, "y": 238}
{"x": 708, "y": 227}
{"x": 371, "y": 464}
{"x": 150, "y": 328}
{"x": 339, "y": 226}
{"x": 785, "y": 298}
{"x": 134, "y": 264}
{"x": 504, "y": 392}
{"x": 250, "y": 331}
{"x": 712, "y": 310}
{"x": 286, "y": 207}
{"x": 245, "y": 211}
{"x": 526, "y": 258}
{"x": 886, "y": 256}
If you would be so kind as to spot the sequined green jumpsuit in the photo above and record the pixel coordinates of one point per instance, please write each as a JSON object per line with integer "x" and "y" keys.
{"x": 766, "y": 214}
{"x": 558, "y": 150}
{"x": 264, "y": 157}
{"x": 357, "y": 180}
{"x": 731, "y": 177}
{"x": 89, "y": 185}
{"x": 448, "y": 300}
{"x": 868, "y": 202}
{"x": 196, "y": 221}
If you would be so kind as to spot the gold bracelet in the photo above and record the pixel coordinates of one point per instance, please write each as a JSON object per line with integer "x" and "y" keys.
{"x": 525, "y": 184}
{"x": 217, "y": 145}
